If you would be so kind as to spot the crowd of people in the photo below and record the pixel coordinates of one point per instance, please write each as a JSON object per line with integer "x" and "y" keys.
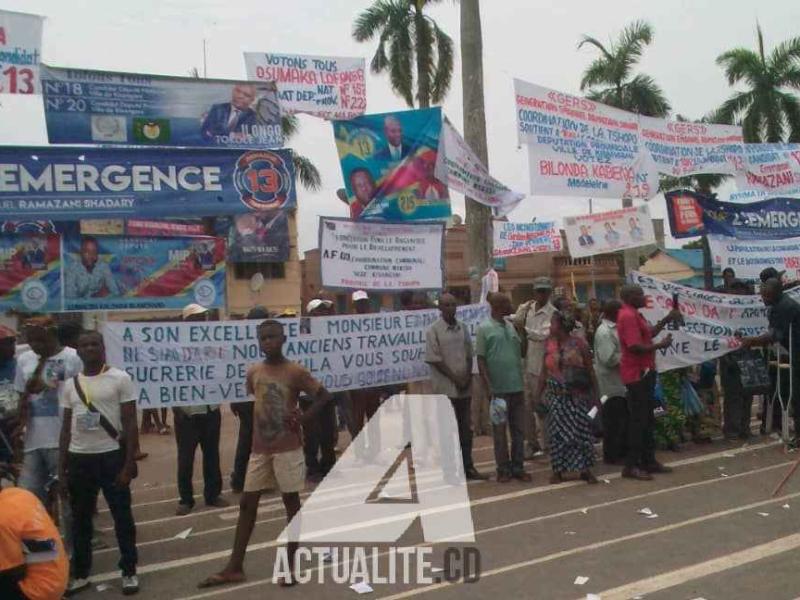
{"x": 559, "y": 377}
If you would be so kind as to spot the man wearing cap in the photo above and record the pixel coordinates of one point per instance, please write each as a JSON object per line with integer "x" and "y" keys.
{"x": 320, "y": 434}
{"x": 198, "y": 424}
{"x": 532, "y": 321}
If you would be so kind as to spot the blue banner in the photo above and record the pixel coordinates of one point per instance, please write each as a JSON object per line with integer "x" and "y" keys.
{"x": 259, "y": 237}
{"x": 388, "y": 162}
{"x": 104, "y": 107}
{"x": 30, "y": 273}
{"x": 143, "y": 273}
{"x": 691, "y": 214}
{"x": 100, "y": 183}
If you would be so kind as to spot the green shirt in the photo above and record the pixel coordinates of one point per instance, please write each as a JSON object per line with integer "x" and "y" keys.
{"x": 499, "y": 345}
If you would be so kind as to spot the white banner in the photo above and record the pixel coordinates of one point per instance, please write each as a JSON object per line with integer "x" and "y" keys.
{"x": 578, "y": 147}
{"x": 599, "y": 233}
{"x": 179, "y": 364}
{"x": 20, "y": 52}
{"x": 749, "y": 257}
{"x": 330, "y": 87}
{"x": 711, "y": 320}
{"x": 386, "y": 257}
{"x": 681, "y": 148}
{"x": 514, "y": 239}
{"x": 773, "y": 169}
{"x": 459, "y": 168}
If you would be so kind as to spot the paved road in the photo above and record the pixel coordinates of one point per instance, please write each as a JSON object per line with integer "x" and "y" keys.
{"x": 708, "y": 540}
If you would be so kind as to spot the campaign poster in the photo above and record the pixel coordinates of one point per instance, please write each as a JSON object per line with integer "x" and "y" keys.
{"x": 515, "y": 239}
{"x": 30, "y": 273}
{"x": 604, "y": 232}
{"x": 121, "y": 183}
{"x": 770, "y": 168}
{"x": 682, "y": 148}
{"x": 749, "y": 257}
{"x": 20, "y": 52}
{"x": 691, "y": 213}
{"x": 329, "y": 87}
{"x": 141, "y": 273}
{"x": 388, "y": 163}
{"x": 578, "y": 147}
{"x": 382, "y": 257}
{"x": 259, "y": 238}
{"x": 461, "y": 170}
{"x": 106, "y": 107}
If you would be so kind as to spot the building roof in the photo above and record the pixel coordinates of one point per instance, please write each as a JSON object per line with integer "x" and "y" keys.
{"x": 693, "y": 258}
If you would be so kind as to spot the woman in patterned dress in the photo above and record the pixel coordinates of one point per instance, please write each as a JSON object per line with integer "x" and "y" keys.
{"x": 570, "y": 390}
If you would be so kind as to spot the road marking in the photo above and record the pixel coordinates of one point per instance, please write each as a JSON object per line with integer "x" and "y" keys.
{"x": 710, "y": 567}
{"x": 181, "y": 562}
{"x": 595, "y": 546}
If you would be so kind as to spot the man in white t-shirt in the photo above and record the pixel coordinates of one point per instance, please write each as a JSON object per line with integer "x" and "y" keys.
{"x": 39, "y": 379}
{"x": 99, "y": 417}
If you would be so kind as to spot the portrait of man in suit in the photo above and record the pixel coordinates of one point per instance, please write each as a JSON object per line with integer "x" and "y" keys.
{"x": 235, "y": 116}
{"x": 585, "y": 238}
{"x": 396, "y": 149}
{"x": 363, "y": 186}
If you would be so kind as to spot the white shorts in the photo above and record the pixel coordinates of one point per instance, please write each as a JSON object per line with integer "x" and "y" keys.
{"x": 285, "y": 471}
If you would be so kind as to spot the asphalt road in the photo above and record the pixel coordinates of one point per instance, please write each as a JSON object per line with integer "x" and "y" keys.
{"x": 718, "y": 533}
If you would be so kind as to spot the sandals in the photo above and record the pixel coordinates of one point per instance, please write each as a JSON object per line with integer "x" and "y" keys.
{"x": 219, "y": 579}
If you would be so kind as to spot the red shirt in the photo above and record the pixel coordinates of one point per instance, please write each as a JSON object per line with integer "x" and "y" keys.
{"x": 634, "y": 330}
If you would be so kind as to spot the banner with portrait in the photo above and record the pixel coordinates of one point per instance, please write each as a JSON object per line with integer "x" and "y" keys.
{"x": 106, "y": 107}
{"x": 604, "y": 232}
{"x": 20, "y": 52}
{"x": 578, "y": 147}
{"x": 259, "y": 237}
{"x": 30, "y": 272}
{"x": 515, "y": 239}
{"x": 682, "y": 148}
{"x": 691, "y": 213}
{"x": 329, "y": 87}
{"x": 143, "y": 273}
{"x": 388, "y": 163}
{"x": 99, "y": 183}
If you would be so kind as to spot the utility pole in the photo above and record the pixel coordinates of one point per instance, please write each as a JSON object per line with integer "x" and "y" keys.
{"x": 479, "y": 217}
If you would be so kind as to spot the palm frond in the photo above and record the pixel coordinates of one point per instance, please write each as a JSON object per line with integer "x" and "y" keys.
{"x": 642, "y": 95}
{"x": 423, "y": 46}
{"x": 401, "y": 55}
{"x": 375, "y": 18}
{"x": 290, "y": 125}
{"x": 785, "y": 56}
{"x": 760, "y": 33}
{"x": 587, "y": 39}
{"x": 791, "y": 77}
{"x": 791, "y": 108}
{"x": 740, "y": 63}
{"x": 306, "y": 173}
{"x": 633, "y": 40}
{"x": 445, "y": 52}
{"x": 596, "y": 74}
{"x": 731, "y": 111}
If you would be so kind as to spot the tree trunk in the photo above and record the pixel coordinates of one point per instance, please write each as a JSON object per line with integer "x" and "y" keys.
{"x": 479, "y": 217}
{"x": 423, "y": 50}
{"x": 708, "y": 265}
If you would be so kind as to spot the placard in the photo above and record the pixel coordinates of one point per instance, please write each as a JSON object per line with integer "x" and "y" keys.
{"x": 179, "y": 364}
{"x": 259, "y": 237}
{"x": 100, "y": 183}
{"x": 515, "y": 239}
{"x": 600, "y": 233}
{"x": 163, "y": 228}
{"x": 20, "y": 52}
{"x": 749, "y": 257}
{"x": 388, "y": 163}
{"x": 386, "y": 257}
{"x": 329, "y": 87}
{"x": 141, "y": 273}
{"x": 770, "y": 168}
{"x": 106, "y": 107}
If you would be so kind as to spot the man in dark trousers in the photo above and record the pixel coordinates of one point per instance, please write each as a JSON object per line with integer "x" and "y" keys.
{"x": 638, "y": 373}
{"x": 244, "y": 412}
{"x": 607, "y": 354}
{"x": 198, "y": 425}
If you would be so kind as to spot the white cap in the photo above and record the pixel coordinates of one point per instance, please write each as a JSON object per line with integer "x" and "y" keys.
{"x": 316, "y": 303}
{"x": 193, "y": 309}
{"x": 360, "y": 295}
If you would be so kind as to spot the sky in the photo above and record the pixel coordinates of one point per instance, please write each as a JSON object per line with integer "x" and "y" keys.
{"x": 534, "y": 40}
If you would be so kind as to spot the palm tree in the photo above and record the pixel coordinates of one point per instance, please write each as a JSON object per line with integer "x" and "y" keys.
{"x": 767, "y": 111}
{"x": 307, "y": 173}
{"x": 406, "y": 34}
{"x": 610, "y": 79}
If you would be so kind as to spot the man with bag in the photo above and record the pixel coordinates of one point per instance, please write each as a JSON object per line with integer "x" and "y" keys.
{"x": 532, "y": 321}
{"x": 97, "y": 452}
